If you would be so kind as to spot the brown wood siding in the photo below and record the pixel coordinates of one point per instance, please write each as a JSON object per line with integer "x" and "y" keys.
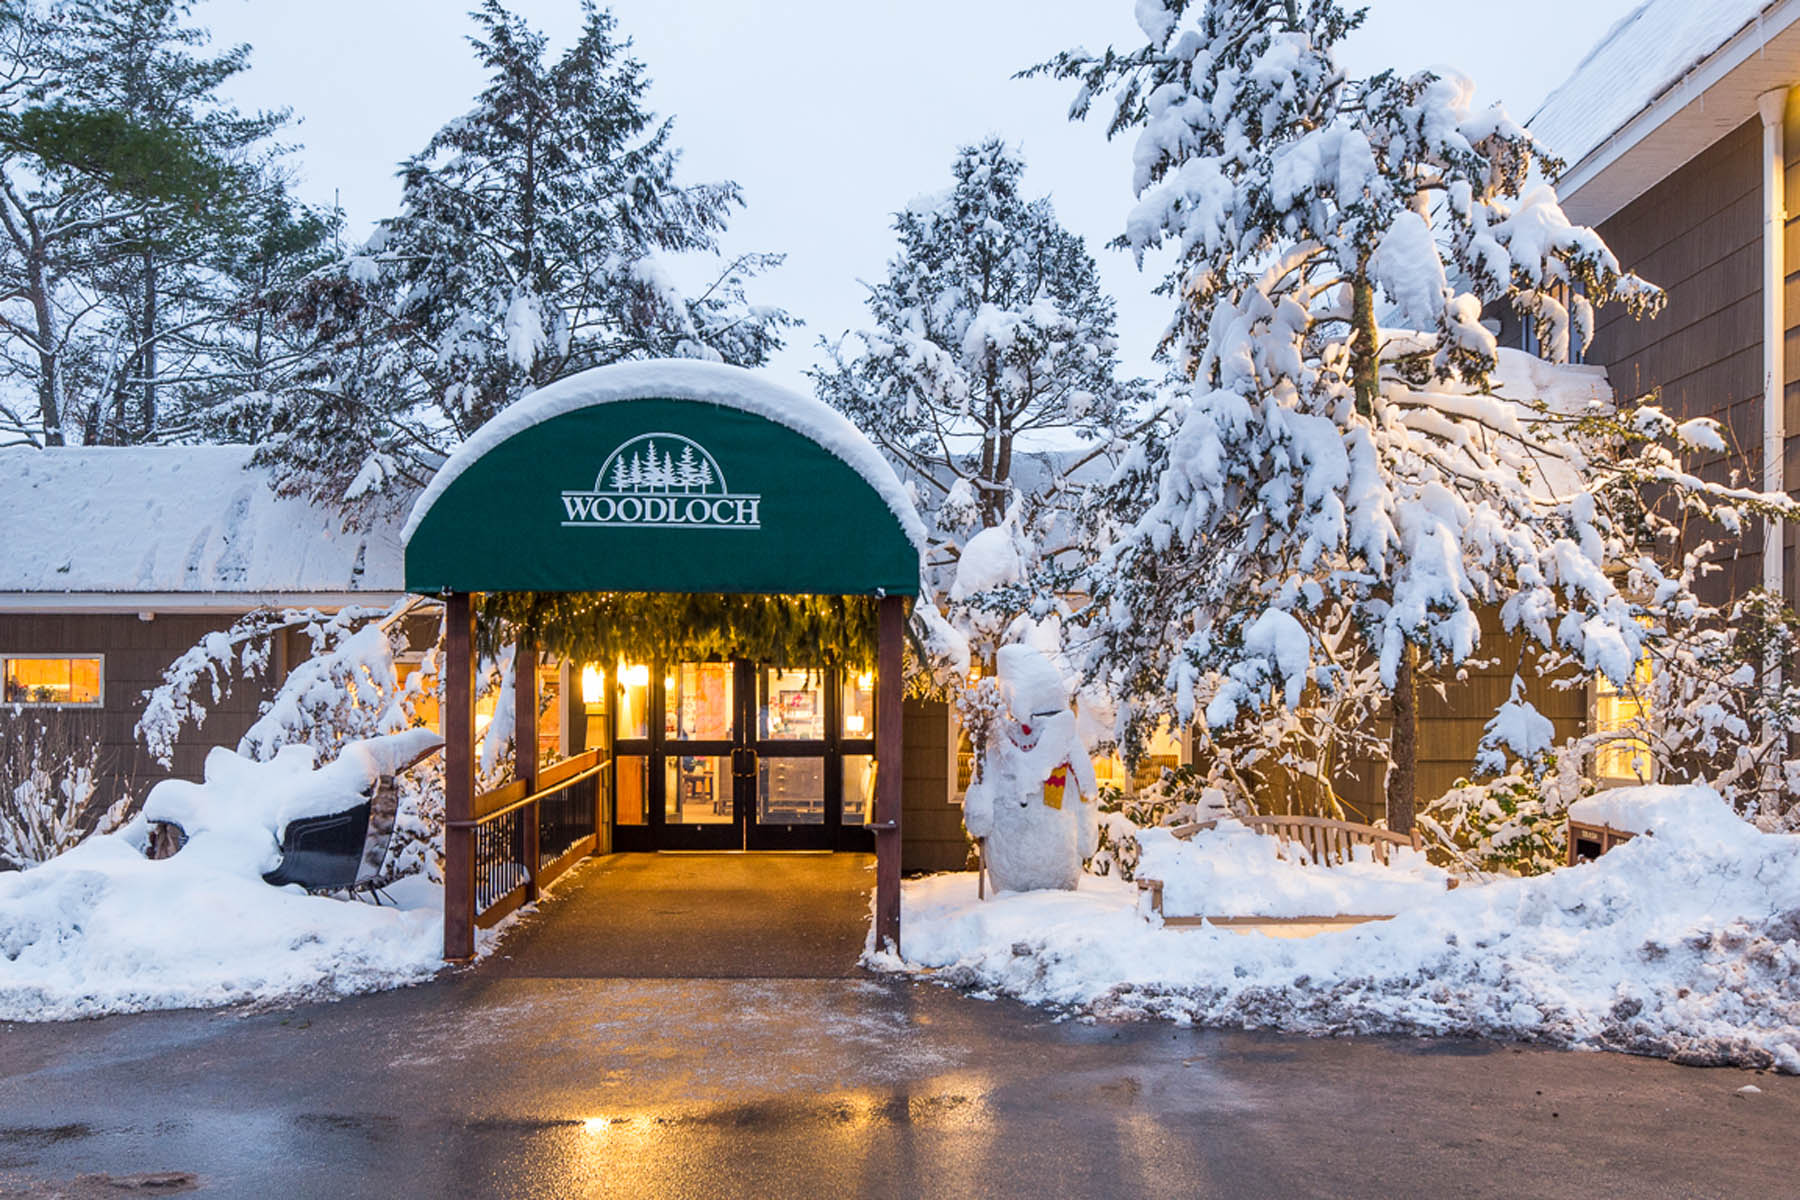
{"x": 931, "y": 828}
{"x": 1450, "y": 727}
{"x": 1698, "y": 234}
{"x": 136, "y": 653}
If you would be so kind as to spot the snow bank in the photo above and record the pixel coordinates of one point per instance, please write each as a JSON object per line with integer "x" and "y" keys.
{"x": 102, "y": 929}
{"x": 175, "y": 519}
{"x": 1672, "y": 811}
{"x": 1233, "y": 871}
{"x": 685, "y": 379}
{"x": 1685, "y": 944}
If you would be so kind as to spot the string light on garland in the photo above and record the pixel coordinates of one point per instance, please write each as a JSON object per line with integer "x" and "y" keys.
{"x": 605, "y": 627}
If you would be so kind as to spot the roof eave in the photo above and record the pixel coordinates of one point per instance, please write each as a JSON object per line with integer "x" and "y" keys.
{"x": 1715, "y": 97}
{"x": 187, "y": 602}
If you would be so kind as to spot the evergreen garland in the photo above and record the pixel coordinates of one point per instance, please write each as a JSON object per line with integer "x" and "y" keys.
{"x": 607, "y": 627}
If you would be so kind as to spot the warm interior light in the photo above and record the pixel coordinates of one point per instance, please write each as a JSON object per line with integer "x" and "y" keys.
{"x": 865, "y": 681}
{"x": 636, "y": 676}
{"x": 593, "y": 684}
{"x": 595, "y": 1125}
{"x": 668, "y": 683}
{"x": 853, "y": 723}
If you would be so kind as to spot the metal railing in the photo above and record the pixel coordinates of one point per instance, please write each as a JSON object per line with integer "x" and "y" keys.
{"x": 525, "y": 839}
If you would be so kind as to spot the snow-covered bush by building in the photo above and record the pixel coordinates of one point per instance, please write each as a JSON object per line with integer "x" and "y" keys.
{"x": 49, "y": 769}
{"x": 1683, "y": 943}
{"x": 1179, "y": 795}
{"x": 1706, "y": 710}
{"x": 1515, "y": 823}
{"x": 349, "y": 689}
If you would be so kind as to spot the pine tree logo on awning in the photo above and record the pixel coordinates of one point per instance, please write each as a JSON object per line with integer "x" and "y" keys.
{"x": 662, "y": 480}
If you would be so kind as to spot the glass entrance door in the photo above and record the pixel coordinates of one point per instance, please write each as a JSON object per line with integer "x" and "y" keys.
{"x": 739, "y": 756}
{"x": 700, "y": 721}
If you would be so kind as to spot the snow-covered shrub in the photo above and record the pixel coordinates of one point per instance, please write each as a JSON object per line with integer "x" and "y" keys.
{"x": 1708, "y": 712}
{"x": 49, "y": 770}
{"x": 1182, "y": 794}
{"x": 207, "y": 671}
{"x": 349, "y": 690}
{"x": 1511, "y": 824}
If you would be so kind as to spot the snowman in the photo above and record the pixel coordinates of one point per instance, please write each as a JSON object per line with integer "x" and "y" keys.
{"x": 1033, "y": 803}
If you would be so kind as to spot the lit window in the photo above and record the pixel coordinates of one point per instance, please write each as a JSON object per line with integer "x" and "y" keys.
{"x": 61, "y": 681}
{"x": 1626, "y": 760}
{"x": 425, "y": 698}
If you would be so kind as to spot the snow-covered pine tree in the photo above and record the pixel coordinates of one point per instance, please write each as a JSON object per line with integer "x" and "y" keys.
{"x": 1319, "y": 464}
{"x": 530, "y": 245}
{"x": 990, "y": 330}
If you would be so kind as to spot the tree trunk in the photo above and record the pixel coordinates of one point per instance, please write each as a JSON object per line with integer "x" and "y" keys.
{"x": 1365, "y": 349}
{"x": 147, "y": 360}
{"x": 1403, "y": 746}
{"x": 50, "y": 407}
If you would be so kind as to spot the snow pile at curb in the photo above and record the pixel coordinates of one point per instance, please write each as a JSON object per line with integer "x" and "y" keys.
{"x": 1683, "y": 944}
{"x": 102, "y": 929}
{"x": 1231, "y": 870}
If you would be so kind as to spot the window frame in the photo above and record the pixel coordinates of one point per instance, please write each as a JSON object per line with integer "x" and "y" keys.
{"x": 96, "y": 705}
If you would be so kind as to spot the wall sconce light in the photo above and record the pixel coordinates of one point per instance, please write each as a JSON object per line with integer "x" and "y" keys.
{"x": 593, "y": 684}
{"x": 635, "y": 676}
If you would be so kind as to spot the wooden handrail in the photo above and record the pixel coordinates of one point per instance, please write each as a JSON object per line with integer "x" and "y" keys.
{"x": 501, "y": 799}
{"x": 513, "y": 796}
{"x": 1368, "y": 831}
{"x": 556, "y": 773}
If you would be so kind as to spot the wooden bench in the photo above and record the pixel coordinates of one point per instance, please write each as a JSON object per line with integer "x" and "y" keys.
{"x": 1326, "y": 841}
{"x": 1587, "y": 842}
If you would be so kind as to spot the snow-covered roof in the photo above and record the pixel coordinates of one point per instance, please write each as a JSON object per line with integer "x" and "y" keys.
{"x": 1668, "y": 80}
{"x": 684, "y": 379}
{"x": 1643, "y": 55}
{"x": 150, "y": 520}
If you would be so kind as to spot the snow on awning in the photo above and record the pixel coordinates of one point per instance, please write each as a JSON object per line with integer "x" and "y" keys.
{"x": 183, "y": 520}
{"x": 666, "y": 476}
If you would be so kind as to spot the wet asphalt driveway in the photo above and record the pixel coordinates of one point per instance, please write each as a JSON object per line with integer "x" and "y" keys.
{"x": 696, "y": 1026}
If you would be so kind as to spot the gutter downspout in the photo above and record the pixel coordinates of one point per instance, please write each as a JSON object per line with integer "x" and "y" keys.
{"x": 1773, "y": 107}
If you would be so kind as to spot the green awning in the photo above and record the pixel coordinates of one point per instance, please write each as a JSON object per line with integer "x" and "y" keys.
{"x": 665, "y": 477}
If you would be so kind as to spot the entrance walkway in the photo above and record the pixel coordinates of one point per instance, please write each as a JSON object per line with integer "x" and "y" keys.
{"x": 697, "y": 916}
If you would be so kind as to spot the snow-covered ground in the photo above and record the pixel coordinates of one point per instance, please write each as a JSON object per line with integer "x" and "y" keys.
{"x": 1234, "y": 871}
{"x": 1684, "y": 943}
{"x": 102, "y": 929}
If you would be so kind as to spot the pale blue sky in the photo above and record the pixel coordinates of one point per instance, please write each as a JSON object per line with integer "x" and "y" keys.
{"x": 830, "y": 114}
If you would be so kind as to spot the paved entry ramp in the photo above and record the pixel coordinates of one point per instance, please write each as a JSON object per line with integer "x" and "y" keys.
{"x": 697, "y": 916}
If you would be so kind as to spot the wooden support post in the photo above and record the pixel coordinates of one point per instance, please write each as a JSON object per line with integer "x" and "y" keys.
{"x": 891, "y": 629}
{"x": 525, "y": 751}
{"x": 459, "y": 777}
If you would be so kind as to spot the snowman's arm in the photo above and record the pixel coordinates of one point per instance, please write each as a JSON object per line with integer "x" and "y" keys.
{"x": 978, "y": 809}
{"x": 1083, "y": 768}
